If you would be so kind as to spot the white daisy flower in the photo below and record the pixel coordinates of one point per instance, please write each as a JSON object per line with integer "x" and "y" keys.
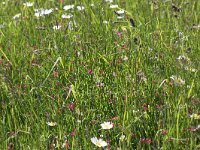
{"x": 42, "y": 12}
{"x": 28, "y": 4}
{"x": 67, "y": 16}
{"x": 99, "y": 142}
{"x": 120, "y": 12}
{"x": 107, "y": 125}
{"x": 80, "y": 7}
{"x": 68, "y": 7}
{"x": 122, "y": 137}
{"x": 17, "y": 16}
{"x": 113, "y": 6}
{"x": 120, "y": 17}
{"x": 57, "y": 27}
{"x": 110, "y": 1}
{"x": 51, "y": 124}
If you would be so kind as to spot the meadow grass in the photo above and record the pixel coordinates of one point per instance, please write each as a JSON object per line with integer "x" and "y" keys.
{"x": 138, "y": 69}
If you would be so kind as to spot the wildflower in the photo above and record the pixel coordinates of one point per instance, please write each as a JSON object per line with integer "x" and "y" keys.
{"x": 67, "y": 16}
{"x": 195, "y": 116}
{"x": 122, "y": 137}
{"x": 17, "y": 16}
{"x": 28, "y": 4}
{"x": 110, "y": 1}
{"x": 57, "y": 27}
{"x": 99, "y": 142}
{"x": 182, "y": 57}
{"x": 119, "y": 12}
{"x": 164, "y": 132}
{"x": 142, "y": 139}
{"x": 80, "y": 7}
{"x": 51, "y": 124}
{"x": 71, "y": 107}
{"x": 65, "y": 144}
{"x": 73, "y": 133}
{"x": 190, "y": 69}
{"x": 107, "y": 125}
{"x": 90, "y": 71}
{"x": 120, "y": 17}
{"x": 148, "y": 140}
{"x": 113, "y": 6}
{"x": 42, "y": 12}
{"x": 68, "y": 7}
{"x": 177, "y": 80}
{"x": 125, "y": 58}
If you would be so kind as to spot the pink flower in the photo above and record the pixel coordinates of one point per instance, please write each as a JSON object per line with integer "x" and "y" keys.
{"x": 90, "y": 72}
{"x": 70, "y": 106}
{"x": 148, "y": 140}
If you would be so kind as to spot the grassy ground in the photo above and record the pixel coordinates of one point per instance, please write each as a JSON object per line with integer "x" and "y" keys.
{"x": 137, "y": 69}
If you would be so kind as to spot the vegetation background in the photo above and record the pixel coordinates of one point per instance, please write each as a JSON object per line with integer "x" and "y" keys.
{"x": 134, "y": 63}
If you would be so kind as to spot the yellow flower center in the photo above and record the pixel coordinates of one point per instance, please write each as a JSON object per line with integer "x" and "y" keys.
{"x": 98, "y": 143}
{"x": 195, "y": 116}
{"x": 106, "y": 126}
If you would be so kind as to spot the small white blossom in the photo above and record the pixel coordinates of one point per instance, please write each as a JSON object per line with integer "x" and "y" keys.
{"x": 177, "y": 80}
{"x": 68, "y": 7}
{"x": 107, "y": 125}
{"x": 80, "y": 7}
{"x": 122, "y": 137}
{"x": 113, "y": 6}
{"x": 99, "y": 142}
{"x": 42, "y": 12}
{"x": 67, "y": 16}
{"x": 57, "y": 27}
{"x": 110, "y": 1}
{"x": 51, "y": 124}
{"x": 28, "y": 4}
{"x": 120, "y": 12}
{"x": 17, "y": 16}
{"x": 120, "y": 17}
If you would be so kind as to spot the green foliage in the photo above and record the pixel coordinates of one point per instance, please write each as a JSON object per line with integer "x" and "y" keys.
{"x": 138, "y": 69}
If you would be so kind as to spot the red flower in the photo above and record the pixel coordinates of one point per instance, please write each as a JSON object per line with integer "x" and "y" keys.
{"x": 184, "y": 129}
{"x": 142, "y": 139}
{"x": 73, "y": 133}
{"x": 148, "y": 140}
{"x": 70, "y": 106}
{"x": 164, "y": 132}
{"x": 145, "y": 107}
{"x": 67, "y": 145}
{"x": 90, "y": 72}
